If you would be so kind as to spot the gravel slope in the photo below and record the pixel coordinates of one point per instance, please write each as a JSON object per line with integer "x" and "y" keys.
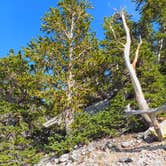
{"x": 127, "y": 150}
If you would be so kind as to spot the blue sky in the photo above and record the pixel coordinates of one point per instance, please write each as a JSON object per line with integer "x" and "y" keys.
{"x": 20, "y": 19}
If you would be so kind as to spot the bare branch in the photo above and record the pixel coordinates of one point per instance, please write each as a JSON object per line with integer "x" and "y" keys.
{"x": 112, "y": 29}
{"x": 137, "y": 54}
{"x": 66, "y": 33}
{"x": 128, "y": 38}
{"x": 114, "y": 34}
{"x": 157, "y": 110}
{"x": 69, "y": 34}
{"x": 72, "y": 26}
{"x": 82, "y": 52}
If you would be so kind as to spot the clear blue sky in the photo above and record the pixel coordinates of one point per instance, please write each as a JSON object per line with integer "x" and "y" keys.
{"x": 20, "y": 19}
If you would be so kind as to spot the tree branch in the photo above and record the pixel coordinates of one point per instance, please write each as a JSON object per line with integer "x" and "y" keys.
{"x": 112, "y": 29}
{"x": 137, "y": 54}
{"x": 156, "y": 111}
{"x": 114, "y": 34}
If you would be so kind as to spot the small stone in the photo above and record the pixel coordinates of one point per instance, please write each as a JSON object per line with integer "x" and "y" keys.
{"x": 126, "y": 144}
{"x": 139, "y": 141}
{"x": 55, "y": 160}
{"x": 64, "y": 158}
{"x": 83, "y": 151}
{"x": 125, "y": 160}
{"x": 76, "y": 147}
{"x": 90, "y": 148}
{"x": 164, "y": 147}
{"x": 111, "y": 146}
{"x": 69, "y": 163}
{"x": 75, "y": 156}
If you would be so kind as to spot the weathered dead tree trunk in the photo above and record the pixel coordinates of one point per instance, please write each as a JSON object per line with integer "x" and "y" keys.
{"x": 143, "y": 105}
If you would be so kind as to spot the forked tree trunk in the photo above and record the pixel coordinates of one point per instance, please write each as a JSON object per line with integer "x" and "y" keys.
{"x": 143, "y": 105}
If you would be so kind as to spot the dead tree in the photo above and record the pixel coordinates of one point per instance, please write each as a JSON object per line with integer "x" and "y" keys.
{"x": 143, "y": 105}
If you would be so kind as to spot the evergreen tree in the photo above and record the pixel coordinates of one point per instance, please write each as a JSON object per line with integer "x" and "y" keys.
{"x": 70, "y": 58}
{"x": 153, "y": 14}
{"x": 21, "y": 112}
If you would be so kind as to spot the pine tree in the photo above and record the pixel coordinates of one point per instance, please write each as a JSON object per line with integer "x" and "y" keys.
{"x": 70, "y": 59}
{"x": 153, "y": 14}
{"x": 21, "y": 112}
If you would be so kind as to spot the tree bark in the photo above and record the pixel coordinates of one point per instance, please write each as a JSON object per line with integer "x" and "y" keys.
{"x": 160, "y": 48}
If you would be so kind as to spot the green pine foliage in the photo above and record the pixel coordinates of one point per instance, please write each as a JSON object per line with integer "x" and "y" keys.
{"x": 153, "y": 13}
{"x": 68, "y": 68}
{"x": 19, "y": 112}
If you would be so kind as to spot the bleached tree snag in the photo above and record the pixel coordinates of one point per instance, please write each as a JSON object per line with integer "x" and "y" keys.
{"x": 137, "y": 54}
{"x": 136, "y": 84}
{"x": 143, "y": 105}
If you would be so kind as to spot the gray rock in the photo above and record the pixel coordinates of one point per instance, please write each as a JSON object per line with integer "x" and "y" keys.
{"x": 111, "y": 146}
{"x": 55, "y": 160}
{"x": 76, "y": 147}
{"x": 69, "y": 163}
{"x": 91, "y": 147}
{"x": 125, "y": 160}
{"x": 64, "y": 158}
{"x": 139, "y": 141}
{"x": 48, "y": 164}
{"x": 75, "y": 156}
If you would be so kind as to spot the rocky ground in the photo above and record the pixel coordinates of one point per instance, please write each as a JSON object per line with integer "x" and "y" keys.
{"x": 126, "y": 150}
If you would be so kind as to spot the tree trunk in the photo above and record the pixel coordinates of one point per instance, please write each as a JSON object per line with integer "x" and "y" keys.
{"x": 69, "y": 113}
